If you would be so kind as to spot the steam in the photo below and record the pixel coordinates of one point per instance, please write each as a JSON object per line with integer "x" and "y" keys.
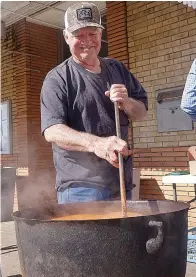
{"x": 36, "y": 191}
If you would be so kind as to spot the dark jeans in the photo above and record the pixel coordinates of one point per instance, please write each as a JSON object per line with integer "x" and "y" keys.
{"x": 76, "y": 193}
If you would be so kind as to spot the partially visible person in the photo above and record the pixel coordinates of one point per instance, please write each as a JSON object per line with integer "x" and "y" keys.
{"x": 188, "y": 103}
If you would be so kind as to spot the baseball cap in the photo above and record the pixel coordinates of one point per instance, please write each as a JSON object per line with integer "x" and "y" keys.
{"x": 81, "y": 15}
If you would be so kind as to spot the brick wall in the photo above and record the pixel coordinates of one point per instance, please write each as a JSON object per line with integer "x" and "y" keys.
{"x": 161, "y": 45}
{"x": 42, "y": 44}
{"x": 117, "y": 31}
{"x": 34, "y": 53}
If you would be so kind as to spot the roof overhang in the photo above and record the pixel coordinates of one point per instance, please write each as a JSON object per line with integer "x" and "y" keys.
{"x": 49, "y": 13}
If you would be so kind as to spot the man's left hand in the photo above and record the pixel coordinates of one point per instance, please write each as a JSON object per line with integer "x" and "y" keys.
{"x": 118, "y": 93}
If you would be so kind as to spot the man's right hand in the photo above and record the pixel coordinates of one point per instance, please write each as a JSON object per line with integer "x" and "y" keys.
{"x": 108, "y": 149}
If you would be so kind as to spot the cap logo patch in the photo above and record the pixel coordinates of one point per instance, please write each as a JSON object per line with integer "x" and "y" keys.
{"x": 84, "y": 14}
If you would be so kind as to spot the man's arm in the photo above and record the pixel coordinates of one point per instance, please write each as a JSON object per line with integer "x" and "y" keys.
{"x": 135, "y": 109}
{"x": 188, "y": 102}
{"x": 54, "y": 110}
{"x": 69, "y": 139}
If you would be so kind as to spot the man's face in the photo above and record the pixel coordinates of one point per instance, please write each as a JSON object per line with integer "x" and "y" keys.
{"x": 85, "y": 43}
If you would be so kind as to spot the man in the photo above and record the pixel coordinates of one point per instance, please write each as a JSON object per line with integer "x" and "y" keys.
{"x": 188, "y": 103}
{"x": 77, "y": 111}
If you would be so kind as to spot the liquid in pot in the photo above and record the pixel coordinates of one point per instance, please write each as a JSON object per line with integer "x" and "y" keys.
{"x": 110, "y": 215}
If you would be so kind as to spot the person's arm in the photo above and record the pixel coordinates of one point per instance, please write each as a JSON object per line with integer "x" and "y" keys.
{"x": 135, "y": 109}
{"x": 69, "y": 139}
{"x": 131, "y": 96}
{"x": 188, "y": 102}
{"x": 54, "y": 125}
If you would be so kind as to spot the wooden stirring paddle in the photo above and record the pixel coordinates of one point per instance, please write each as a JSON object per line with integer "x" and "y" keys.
{"x": 121, "y": 166}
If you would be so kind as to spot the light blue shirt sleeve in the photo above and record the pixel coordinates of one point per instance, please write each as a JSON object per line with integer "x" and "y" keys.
{"x": 188, "y": 103}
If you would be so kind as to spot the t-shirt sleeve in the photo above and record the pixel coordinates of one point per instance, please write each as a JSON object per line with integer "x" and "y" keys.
{"x": 135, "y": 89}
{"x": 53, "y": 104}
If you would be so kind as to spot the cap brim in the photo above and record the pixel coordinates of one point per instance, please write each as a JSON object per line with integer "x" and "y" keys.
{"x": 83, "y": 25}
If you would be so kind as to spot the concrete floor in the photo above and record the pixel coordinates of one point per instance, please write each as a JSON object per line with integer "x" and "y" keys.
{"x": 10, "y": 265}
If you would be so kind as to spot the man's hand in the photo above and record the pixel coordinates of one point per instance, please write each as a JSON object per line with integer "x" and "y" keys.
{"x": 118, "y": 93}
{"x": 108, "y": 149}
{"x": 135, "y": 109}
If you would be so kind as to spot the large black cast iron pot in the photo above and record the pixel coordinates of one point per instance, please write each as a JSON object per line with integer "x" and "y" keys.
{"x": 151, "y": 245}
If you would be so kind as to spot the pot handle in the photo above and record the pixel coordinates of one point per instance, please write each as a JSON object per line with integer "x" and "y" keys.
{"x": 154, "y": 244}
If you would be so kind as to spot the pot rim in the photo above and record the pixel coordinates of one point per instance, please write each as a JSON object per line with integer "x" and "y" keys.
{"x": 180, "y": 206}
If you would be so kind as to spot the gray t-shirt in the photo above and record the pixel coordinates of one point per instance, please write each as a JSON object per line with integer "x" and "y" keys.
{"x": 73, "y": 96}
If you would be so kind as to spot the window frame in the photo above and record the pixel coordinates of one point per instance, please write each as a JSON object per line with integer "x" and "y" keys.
{"x": 7, "y": 103}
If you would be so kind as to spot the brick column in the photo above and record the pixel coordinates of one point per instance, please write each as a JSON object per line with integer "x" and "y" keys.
{"x": 116, "y": 15}
{"x": 32, "y": 53}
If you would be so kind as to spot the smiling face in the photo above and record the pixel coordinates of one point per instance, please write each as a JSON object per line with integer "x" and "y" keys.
{"x": 85, "y": 43}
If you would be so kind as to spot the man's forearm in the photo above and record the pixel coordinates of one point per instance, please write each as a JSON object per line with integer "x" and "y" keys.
{"x": 104, "y": 147}
{"x": 69, "y": 139}
{"x": 135, "y": 109}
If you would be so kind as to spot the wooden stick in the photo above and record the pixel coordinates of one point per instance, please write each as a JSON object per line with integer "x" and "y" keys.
{"x": 121, "y": 165}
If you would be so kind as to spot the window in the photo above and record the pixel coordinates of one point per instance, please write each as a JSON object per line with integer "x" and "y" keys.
{"x": 6, "y": 136}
